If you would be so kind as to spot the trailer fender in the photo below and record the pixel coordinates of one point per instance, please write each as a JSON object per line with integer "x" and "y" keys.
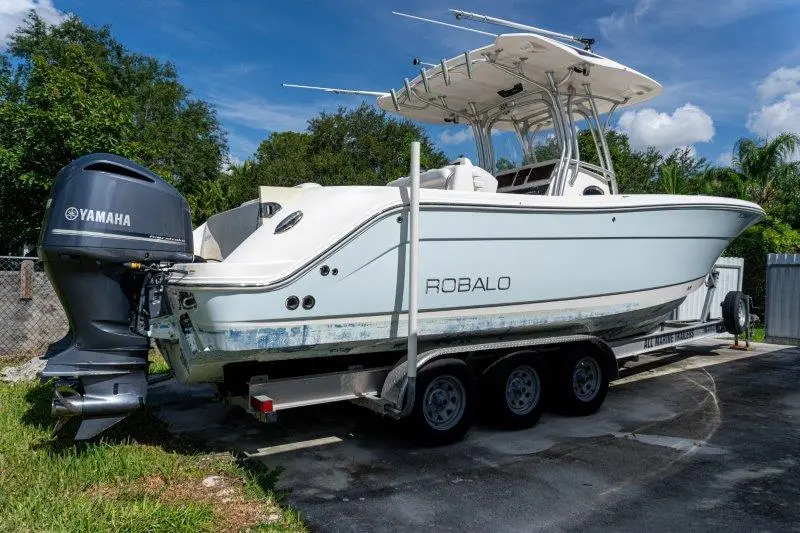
{"x": 604, "y": 351}
{"x": 607, "y": 358}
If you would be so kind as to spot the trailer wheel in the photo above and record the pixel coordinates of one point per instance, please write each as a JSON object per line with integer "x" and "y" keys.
{"x": 581, "y": 382}
{"x": 514, "y": 391}
{"x": 734, "y": 312}
{"x": 442, "y": 411}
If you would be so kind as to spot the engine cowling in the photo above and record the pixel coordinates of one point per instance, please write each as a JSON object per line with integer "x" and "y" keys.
{"x": 105, "y": 213}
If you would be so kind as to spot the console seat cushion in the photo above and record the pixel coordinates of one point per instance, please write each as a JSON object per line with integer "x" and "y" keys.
{"x": 460, "y": 176}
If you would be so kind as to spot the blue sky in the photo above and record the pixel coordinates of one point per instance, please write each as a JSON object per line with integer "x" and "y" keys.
{"x": 729, "y": 68}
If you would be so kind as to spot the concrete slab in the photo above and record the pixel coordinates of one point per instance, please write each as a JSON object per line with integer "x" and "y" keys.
{"x": 697, "y": 438}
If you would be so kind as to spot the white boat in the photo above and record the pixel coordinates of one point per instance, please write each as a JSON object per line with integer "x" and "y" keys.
{"x": 308, "y": 283}
{"x": 550, "y": 247}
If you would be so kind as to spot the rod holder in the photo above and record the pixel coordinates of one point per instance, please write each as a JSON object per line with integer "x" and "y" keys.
{"x": 407, "y": 85}
{"x": 445, "y": 73}
{"x": 424, "y": 76}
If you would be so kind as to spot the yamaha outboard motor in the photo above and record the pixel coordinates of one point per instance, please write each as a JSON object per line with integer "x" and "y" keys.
{"x": 110, "y": 227}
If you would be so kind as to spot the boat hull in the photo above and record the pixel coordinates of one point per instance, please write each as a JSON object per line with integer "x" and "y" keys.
{"x": 609, "y": 317}
{"x": 485, "y": 272}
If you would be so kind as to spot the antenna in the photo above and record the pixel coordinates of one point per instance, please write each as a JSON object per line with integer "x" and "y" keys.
{"x": 456, "y": 26}
{"x": 337, "y": 91}
{"x": 587, "y": 42}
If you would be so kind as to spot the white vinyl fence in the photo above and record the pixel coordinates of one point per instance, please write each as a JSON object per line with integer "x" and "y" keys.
{"x": 782, "y": 309}
{"x": 731, "y": 271}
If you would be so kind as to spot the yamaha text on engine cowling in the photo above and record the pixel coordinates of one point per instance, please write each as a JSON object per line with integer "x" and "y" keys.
{"x": 110, "y": 232}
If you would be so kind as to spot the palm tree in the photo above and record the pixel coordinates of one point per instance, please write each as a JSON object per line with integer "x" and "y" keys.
{"x": 672, "y": 179}
{"x": 759, "y": 171}
{"x": 721, "y": 181}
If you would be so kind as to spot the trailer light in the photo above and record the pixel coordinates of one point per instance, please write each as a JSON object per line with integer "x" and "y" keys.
{"x": 262, "y": 404}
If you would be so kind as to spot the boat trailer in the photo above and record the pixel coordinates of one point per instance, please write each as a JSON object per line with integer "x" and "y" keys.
{"x": 393, "y": 390}
{"x": 377, "y": 388}
{"x": 101, "y": 367}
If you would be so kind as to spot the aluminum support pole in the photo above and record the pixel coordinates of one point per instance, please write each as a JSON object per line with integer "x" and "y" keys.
{"x": 609, "y": 164}
{"x": 557, "y": 185}
{"x": 413, "y": 263}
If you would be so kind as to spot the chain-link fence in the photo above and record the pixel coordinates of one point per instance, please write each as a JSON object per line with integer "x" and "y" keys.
{"x": 31, "y": 316}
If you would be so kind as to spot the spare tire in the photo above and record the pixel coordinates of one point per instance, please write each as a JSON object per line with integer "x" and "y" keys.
{"x": 734, "y": 312}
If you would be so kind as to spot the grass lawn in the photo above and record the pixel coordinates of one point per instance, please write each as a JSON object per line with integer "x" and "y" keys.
{"x": 137, "y": 478}
{"x": 158, "y": 365}
{"x": 757, "y": 333}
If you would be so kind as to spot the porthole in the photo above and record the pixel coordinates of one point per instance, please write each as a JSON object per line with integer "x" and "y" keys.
{"x": 593, "y": 190}
{"x": 308, "y": 302}
{"x": 292, "y": 303}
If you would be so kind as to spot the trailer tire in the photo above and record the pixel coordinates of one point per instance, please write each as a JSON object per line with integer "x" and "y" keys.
{"x": 514, "y": 391}
{"x": 734, "y": 312}
{"x": 442, "y": 412}
{"x": 580, "y": 381}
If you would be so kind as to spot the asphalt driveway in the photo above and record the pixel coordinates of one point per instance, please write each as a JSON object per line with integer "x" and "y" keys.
{"x": 695, "y": 439}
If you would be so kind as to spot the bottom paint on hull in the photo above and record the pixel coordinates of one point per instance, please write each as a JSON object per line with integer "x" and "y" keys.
{"x": 206, "y": 350}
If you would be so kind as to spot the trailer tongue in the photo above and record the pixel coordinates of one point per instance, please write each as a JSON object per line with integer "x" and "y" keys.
{"x": 109, "y": 222}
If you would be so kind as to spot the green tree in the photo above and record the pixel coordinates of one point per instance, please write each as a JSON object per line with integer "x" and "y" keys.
{"x": 284, "y": 159}
{"x": 63, "y": 112}
{"x": 365, "y": 146}
{"x": 687, "y": 161}
{"x": 504, "y": 164}
{"x": 769, "y": 236}
{"x": 671, "y": 179}
{"x": 239, "y": 184}
{"x": 636, "y": 170}
{"x": 762, "y": 172}
{"x": 361, "y": 146}
{"x": 547, "y": 149}
{"x": 71, "y": 89}
{"x": 180, "y": 137}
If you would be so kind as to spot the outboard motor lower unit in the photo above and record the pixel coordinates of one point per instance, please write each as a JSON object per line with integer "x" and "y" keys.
{"x": 110, "y": 226}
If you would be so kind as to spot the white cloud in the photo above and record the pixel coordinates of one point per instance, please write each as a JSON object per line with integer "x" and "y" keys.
{"x": 13, "y": 13}
{"x": 241, "y": 147}
{"x": 262, "y": 114}
{"x": 725, "y": 159}
{"x": 258, "y": 113}
{"x": 686, "y": 45}
{"x": 617, "y": 22}
{"x": 683, "y": 13}
{"x": 782, "y": 88}
{"x": 226, "y": 167}
{"x": 779, "y": 82}
{"x": 772, "y": 119}
{"x": 685, "y": 126}
{"x": 457, "y": 137}
{"x": 613, "y": 24}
